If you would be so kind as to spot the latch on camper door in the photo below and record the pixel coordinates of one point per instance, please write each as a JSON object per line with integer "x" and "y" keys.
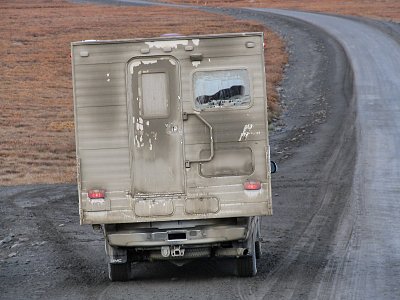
{"x": 185, "y": 117}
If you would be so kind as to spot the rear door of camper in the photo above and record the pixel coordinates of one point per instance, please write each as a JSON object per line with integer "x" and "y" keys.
{"x": 156, "y": 126}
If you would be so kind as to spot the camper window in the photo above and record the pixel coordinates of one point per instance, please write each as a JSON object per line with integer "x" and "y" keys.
{"x": 221, "y": 89}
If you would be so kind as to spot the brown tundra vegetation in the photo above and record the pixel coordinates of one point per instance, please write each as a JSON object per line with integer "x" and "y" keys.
{"x": 36, "y": 120}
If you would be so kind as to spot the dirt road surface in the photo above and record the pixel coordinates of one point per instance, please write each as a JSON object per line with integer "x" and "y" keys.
{"x": 365, "y": 262}
{"x": 334, "y": 233}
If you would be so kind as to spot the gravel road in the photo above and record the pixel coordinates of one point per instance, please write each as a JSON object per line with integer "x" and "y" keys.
{"x": 334, "y": 232}
{"x": 365, "y": 261}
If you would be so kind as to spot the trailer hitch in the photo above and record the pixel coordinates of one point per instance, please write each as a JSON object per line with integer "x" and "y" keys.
{"x": 174, "y": 251}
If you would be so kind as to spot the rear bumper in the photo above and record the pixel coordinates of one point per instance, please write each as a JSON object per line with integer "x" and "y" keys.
{"x": 199, "y": 235}
{"x": 214, "y": 202}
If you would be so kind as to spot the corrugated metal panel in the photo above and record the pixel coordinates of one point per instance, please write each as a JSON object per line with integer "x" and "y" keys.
{"x": 111, "y": 53}
{"x": 228, "y": 126}
{"x": 99, "y": 71}
{"x": 105, "y": 168}
{"x": 102, "y": 127}
{"x": 100, "y": 85}
{"x": 116, "y": 97}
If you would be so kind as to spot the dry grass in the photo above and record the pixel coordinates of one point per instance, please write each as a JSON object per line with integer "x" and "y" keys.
{"x": 379, "y": 9}
{"x": 36, "y": 120}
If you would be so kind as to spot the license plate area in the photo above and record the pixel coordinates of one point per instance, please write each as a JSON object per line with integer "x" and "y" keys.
{"x": 155, "y": 205}
{"x": 174, "y": 236}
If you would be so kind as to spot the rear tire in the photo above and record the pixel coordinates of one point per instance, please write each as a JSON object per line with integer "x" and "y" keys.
{"x": 119, "y": 272}
{"x": 257, "y": 243}
{"x": 247, "y": 265}
{"x": 258, "y": 249}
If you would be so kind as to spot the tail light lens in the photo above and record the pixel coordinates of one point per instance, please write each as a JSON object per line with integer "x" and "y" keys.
{"x": 252, "y": 185}
{"x": 96, "y": 194}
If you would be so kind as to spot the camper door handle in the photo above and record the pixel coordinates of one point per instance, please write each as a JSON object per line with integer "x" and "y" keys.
{"x": 188, "y": 162}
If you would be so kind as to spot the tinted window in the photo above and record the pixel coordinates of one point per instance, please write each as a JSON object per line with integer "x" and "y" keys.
{"x": 227, "y": 88}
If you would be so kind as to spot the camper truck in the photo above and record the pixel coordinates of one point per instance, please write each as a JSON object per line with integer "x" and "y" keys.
{"x": 172, "y": 147}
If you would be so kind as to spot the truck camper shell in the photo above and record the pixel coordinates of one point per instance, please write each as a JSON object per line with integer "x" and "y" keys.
{"x": 172, "y": 141}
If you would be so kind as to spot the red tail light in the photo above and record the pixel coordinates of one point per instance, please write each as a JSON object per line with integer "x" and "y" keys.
{"x": 96, "y": 194}
{"x": 252, "y": 185}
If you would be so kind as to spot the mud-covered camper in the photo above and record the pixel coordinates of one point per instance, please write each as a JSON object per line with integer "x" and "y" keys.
{"x": 172, "y": 147}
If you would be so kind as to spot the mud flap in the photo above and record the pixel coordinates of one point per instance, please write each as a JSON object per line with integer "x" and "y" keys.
{"x": 116, "y": 255}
